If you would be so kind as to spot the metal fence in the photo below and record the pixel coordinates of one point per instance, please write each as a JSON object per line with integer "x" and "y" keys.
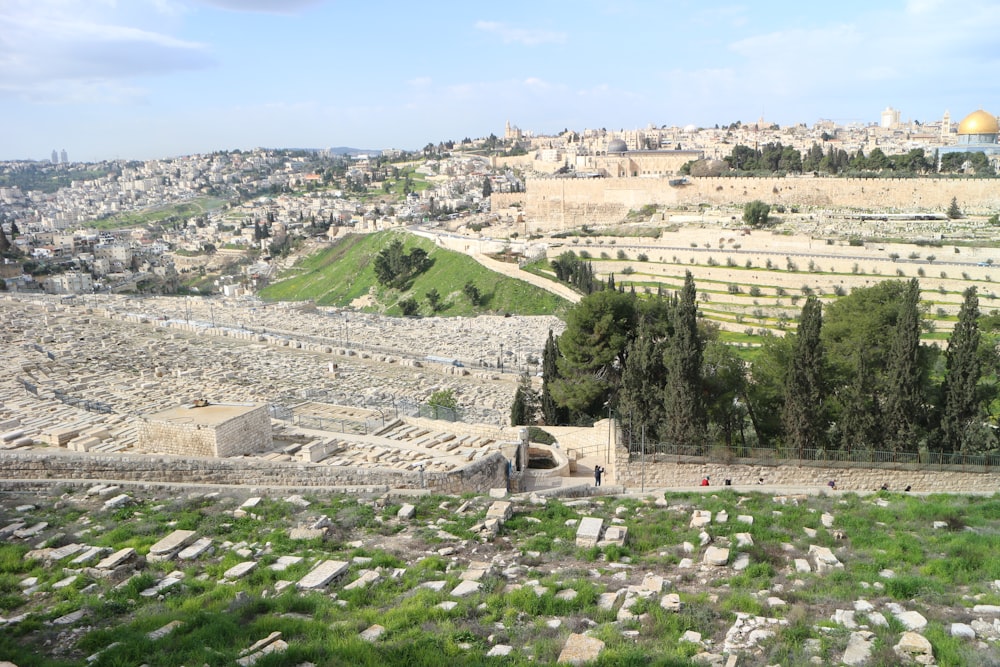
{"x": 663, "y": 452}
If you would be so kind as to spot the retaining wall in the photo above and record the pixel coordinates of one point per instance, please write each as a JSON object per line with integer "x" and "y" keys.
{"x": 477, "y": 477}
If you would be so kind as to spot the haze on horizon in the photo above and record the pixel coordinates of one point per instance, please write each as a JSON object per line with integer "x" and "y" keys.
{"x": 143, "y": 79}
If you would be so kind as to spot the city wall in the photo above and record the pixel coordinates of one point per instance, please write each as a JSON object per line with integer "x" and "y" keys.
{"x": 648, "y": 474}
{"x": 478, "y": 477}
{"x": 561, "y": 203}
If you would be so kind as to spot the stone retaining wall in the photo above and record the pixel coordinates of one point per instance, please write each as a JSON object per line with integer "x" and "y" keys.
{"x": 635, "y": 474}
{"x": 477, "y": 477}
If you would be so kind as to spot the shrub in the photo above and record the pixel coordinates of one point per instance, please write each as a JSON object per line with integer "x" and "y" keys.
{"x": 755, "y": 291}
{"x": 642, "y": 257}
{"x": 622, "y": 255}
{"x": 628, "y": 270}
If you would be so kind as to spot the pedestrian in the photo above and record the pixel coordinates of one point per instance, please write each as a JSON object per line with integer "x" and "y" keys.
{"x": 704, "y": 481}
{"x": 598, "y": 471}
{"x": 832, "y": 484}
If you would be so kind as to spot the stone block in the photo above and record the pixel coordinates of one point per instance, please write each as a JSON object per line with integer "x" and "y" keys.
{"x": 716, "y": 556}
{"x": 580, "y": 649}
{"x": 589, "y": 531}
{"x": 501, "y": 511}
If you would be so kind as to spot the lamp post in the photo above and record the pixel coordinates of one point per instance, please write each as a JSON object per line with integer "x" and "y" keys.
{"x": 500, "y": 359}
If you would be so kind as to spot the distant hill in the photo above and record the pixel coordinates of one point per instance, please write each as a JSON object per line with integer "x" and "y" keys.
{"x": 344, "y": 275}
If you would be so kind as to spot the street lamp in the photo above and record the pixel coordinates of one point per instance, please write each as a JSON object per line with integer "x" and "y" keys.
{"x": 500, "y": 362}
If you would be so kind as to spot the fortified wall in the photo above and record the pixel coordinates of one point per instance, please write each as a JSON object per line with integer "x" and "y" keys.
{"x": 552, "y": 204}
{"x": 477, "y": 477}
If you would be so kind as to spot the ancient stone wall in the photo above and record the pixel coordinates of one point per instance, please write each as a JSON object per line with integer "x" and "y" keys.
{"x": 477, "y": 477}
{"x": 560, "y": 203}
{"x": 942, "y": 479}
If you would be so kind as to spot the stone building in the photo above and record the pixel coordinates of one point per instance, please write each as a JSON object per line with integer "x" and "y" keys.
{"x": 204, "y": 429}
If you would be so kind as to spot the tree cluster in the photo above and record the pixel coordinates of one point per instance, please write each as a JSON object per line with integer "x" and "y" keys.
{"x": 774, "y": 158}
{"x": 575, "y": 271}
{"x": 854, "y": 377}
{"x": 394, "y": 267}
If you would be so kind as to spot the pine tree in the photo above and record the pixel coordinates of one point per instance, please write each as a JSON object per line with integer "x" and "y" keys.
{"x": 803, "y": 410}
{"x": 683, "y": 406}
{"x": 904, "y": 398}
{"x": 961, "y": 407}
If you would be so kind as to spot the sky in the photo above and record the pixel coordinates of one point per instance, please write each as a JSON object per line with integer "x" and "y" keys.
{"x": 145, "y": 79}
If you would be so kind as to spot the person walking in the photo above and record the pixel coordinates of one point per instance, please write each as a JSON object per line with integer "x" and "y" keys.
{"x": 598, "y": 471}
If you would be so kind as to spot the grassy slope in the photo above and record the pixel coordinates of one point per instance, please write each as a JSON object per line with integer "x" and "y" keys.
{"x": 345, "y": 272}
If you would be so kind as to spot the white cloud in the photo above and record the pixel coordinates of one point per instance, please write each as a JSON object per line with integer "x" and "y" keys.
{"x": 82, "y": 49}
{"x": 263, "y": 6}
{"x": 527, "y": 36}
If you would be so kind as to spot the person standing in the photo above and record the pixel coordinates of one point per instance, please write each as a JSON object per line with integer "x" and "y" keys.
{"x": 598, "y": 471}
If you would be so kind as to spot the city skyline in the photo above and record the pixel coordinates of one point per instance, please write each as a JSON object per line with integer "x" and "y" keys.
{"x": 159, "y": 78}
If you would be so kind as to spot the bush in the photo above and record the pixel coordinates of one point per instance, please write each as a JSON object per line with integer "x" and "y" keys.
{"x": 642, "y": 257}
{"x": 622, "y": 255}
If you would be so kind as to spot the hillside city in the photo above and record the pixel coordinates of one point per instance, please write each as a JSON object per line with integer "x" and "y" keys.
{"x": 123, "y": 226}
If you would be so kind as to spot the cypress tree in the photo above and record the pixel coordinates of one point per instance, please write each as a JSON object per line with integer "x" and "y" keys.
{"x": 684, "y": 409}
{"x": 803, "y": 410}
{"x": 4, "y": 243}
{"x": 642, "y": 383}
{"x": 552, "y": 413}
{"x": 859, "y": 418}
{"x": 961, "y": 377}
{"x": 524, "y": 408}
{"x": 903, "y": 391}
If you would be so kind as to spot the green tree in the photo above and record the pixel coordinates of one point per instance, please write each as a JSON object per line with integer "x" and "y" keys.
{"x": 954, "y": 213}
{"x": 684, "y": 409}
{"x": 724, "y": 380}
{"x": 4, "y": 242}
{"x": 552, "y": 412}
{"x": 524, "y": 410}
{"x": 755, "y": 213}
{"x": 472, "y": 293}
{"x": 443, "y": 404}
{"x": 433, "y": 299}
{"x": 487, "y": 187}
{"x": 859, "y": 422}
{"x": 961, "y": 416}
{"x": 592, "y": 349}
{"x": 396, "y": 268}
{"x": 409, "y": 306}
{"x": 640, "y": 399}
{"x": 802, "y": 415}
{"x": 904, "y": 396}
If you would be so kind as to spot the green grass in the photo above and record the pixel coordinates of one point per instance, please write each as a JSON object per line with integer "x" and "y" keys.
{"x": 345, "y": 272}
{"x": 158, "y": 213}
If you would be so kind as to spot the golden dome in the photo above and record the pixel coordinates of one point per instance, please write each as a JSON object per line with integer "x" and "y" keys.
{"x": 979, "y": 122}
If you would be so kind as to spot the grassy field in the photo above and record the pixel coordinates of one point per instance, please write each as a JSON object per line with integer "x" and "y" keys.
{"x": 158, "y": 213}
{"x": 344, "y": 275}
{"x": 546, "y": 588}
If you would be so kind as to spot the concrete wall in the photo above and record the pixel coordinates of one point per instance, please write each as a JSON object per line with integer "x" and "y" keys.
{"x": 560, "y": 203}
{"x": 477, "y": 477}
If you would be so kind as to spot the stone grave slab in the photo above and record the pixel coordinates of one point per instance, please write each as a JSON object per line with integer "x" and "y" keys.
{"x": 196, "y": 549}
{"x": 117, "y": 558}
{"x": 589, "y": 531}
{"x": 321, "y": 575}
{"x": 240, "y": 570}
{"x": 165, "y": 548}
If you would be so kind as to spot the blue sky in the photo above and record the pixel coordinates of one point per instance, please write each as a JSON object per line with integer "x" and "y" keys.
{"x": 141, "y": 79}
